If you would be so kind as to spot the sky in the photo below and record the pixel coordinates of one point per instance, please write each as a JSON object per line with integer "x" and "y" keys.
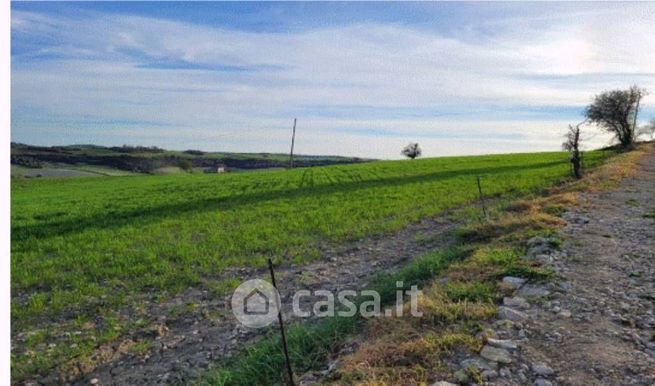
{"x": 363, "y": 79}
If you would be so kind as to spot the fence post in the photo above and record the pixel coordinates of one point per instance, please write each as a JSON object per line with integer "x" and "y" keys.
{"x": 279, "y": 318}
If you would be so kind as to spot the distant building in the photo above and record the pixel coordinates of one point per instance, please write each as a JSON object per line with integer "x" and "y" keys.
{"x": 215, "y": 169}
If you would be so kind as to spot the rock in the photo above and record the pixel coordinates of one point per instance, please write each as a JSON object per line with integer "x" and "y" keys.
{"x": 543, "y": 258}
{"x": 542, "y": 382}
{"x": 522, "y": 334}
{"x": 443, "y": 383}
{"x": 537, "y": 240}
{"x": 461, "y": 376}
{"x": 532, "y": 253}
{"x": 513, "y": 281}
{"x": 503, "y": 343}
{"x": 565, "y": 286}
{"x": 94, "y": 381}
{"x": 565, "y": 314}
{"x": 511, "y": 314}
{"x": 583, "y": 220}
{"x": 533, "y": 291}
{"x": 542, "y": 369}
{"x": 650, "y": 352}
{"x": 489, "y": 375}
{"x": 522, "y": 377}
{"x": 495, "y": 354}
{"x": 310, "y": 378}
{"x": 478, "y": 364}
{"x": 539, "y": 246}
{"x": 516, "y": 302}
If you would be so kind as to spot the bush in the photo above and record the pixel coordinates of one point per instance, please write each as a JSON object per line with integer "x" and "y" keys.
{"x": 26, "y": 161}
{"x": 185, "y": 165}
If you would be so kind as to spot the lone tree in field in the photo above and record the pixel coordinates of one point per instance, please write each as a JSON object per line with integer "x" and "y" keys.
{"x": 572, "y": 145}
{"x": 412, "y": 150}
{"x": 616, "y": 112}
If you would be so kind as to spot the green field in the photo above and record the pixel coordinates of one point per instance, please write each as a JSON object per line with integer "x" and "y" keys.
{"x": 77, "y": 240}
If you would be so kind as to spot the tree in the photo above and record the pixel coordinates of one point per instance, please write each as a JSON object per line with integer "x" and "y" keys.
{"x": 572, "y": 145}
{"x": 412, "y": 150}
{"x": 185, "y": 165}
{"x": 616, "y": 112}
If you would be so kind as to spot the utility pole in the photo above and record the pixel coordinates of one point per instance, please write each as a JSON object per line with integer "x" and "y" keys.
{"x": 293, "y": 140}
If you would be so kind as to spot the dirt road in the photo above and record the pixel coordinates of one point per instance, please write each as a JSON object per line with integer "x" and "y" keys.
{"x": 608, "y": 267}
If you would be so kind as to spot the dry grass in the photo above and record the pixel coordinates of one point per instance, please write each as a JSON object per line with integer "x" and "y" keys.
{"x": 610, "y": 173}
{"x": 524, "y": 218}
{"x": 521, "y": 219}
{"x": 409, "y": 350}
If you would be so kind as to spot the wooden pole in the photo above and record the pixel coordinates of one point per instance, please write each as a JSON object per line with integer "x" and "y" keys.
{"x": 293, "y": 140}
{"x": 484, "y": 209}
{"x": 279, "y": 318}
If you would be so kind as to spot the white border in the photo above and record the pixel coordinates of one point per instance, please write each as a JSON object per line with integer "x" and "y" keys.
{"x": 5, "y": 122}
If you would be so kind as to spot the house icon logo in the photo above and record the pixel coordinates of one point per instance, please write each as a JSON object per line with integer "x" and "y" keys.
{"x": 255, "y": 303}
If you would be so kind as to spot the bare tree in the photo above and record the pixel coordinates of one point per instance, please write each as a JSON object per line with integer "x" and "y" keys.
{"x": 616, "y": 112}
{"x": 412, "y": 150}
{"x": 572, "y": 145}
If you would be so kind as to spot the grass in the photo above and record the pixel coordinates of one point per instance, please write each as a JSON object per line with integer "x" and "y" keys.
{"x": 310, "y": 344}
{"x": 409, "y": 350}
{"x": 86, "y": 247}
{"x": 456, "y": 308}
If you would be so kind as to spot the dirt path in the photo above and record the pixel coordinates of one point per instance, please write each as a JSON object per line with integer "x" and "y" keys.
{"x": 608, "y": 265}
{"x": 187, "y": 340}
{"x": 595, "y": 325}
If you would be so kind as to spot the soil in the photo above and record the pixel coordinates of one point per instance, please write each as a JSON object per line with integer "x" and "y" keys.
{"x": 187, "y": 343}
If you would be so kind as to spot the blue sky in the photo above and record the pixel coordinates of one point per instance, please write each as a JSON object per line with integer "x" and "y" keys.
{"x": 362, "y": 78}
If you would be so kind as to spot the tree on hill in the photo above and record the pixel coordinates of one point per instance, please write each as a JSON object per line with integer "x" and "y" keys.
{"x": 412, "y": 150}
{"x": 616, "y": 112}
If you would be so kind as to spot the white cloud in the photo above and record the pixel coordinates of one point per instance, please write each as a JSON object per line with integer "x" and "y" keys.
{"x": 95, "y": 72}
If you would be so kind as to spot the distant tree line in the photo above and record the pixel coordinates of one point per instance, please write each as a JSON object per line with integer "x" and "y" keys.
{"x": 131, "y": 158}
{"x": 26, "y": 161}
{"x": 137, "y": 149}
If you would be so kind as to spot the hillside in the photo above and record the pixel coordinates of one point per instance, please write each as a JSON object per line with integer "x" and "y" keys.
{"x": 114, "y": 258}
{"x": 88, "y": 160}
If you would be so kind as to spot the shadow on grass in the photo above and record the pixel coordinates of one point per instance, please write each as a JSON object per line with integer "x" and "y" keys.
{"x": 151, "y": 214}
